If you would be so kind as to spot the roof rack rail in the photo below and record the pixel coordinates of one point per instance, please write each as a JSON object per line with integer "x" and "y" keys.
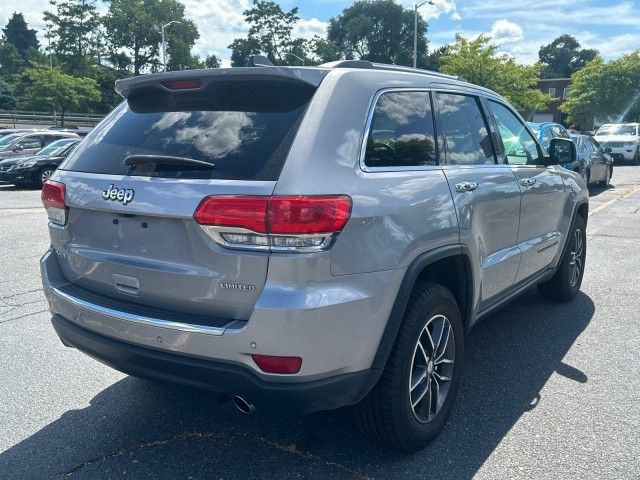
{"x": 384, "y": 66}
{"x": 348, "y": 64}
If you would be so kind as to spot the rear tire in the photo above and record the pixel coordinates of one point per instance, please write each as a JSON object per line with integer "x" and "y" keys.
{"x": 565, "y": 284}
{"x": 606, "y": 183}
{"x": 413, "y": 398}
{"x": 44, "y": 175}
{"x": 636, "y": 157}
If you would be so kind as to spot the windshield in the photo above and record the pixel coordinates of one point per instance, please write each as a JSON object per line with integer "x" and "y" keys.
{"x": 55, "y": 148}
{"x": 629, "y": 130}
{"x": 6, "y": 141}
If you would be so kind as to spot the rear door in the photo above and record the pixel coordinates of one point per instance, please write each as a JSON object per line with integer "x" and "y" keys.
{"x": 543, "y": 191}
{"x": 131, "y": 234}
{"x": 30, "y": 144}
{"x": 486, "y": 194}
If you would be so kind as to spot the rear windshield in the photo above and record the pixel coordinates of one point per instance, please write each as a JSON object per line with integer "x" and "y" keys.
{"x": 243, "y": 131}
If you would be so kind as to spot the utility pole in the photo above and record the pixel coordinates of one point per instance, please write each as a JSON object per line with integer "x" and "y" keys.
{"x": 416, "y": 6}
{"x": 294, "y": 55}
{"x": 164, "y": 46}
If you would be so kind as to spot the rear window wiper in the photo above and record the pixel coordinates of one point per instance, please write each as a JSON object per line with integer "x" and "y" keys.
{"x": 167, "y": 160}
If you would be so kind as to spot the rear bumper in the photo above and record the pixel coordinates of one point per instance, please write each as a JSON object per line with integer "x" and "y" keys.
{"x": 303, "y": 397}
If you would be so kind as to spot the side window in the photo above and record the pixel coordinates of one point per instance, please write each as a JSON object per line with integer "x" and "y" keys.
{"x": 519, "y": 146}
{"x": 51, "y": 138}
{"x": 401, "y": 133}
{"x": 465, "y": 130}
{"x": 30, "y": 142}
{"x": 560, "y": 132}
{"x": 546, "y": 138}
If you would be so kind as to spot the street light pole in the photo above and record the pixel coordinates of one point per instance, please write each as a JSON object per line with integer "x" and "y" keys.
{"x": 416, "y": 6}
{"x": 164, "y": 47}
{"x": 294, "y": 55}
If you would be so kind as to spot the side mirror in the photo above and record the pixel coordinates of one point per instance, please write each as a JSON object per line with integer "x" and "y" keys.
{"x": 561, "y": 151}
{"x": 17, "y": 148}
{"x": 608, "y": 150}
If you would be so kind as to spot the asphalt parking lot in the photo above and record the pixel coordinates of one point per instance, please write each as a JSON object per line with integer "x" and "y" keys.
{"x": 549, "y": 390}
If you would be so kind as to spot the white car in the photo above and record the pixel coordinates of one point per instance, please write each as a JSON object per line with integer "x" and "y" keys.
{"x": 622, "y": 138}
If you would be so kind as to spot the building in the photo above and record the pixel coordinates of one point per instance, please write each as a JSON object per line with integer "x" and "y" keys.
{"x": 557, "y": 88}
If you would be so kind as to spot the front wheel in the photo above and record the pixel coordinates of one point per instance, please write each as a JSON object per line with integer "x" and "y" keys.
{"x": 411, "y": 402}
{"x": 606, "y": 183}
{"x": 565, "y": 284}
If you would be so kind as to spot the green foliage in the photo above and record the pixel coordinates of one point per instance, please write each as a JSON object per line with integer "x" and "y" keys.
{"x": 52, "y": 89}
{"x": 211, "y": 61}
{"x": 478, "y": 62}
{"x": 433, "y": 59}
{"x": 563, "y": 57}
{"x": 23, "y": 38}
{"x": 74, "y": 27}
{"x": 378, "y": 30}
{"x": 8, "y": 100}
{"x": 10, "y": 60}
{"x": 270, "y": 30}
{"x": 133, "y": 33}
{"x": 605, "y": 90}
{"x": 324, "y": 50}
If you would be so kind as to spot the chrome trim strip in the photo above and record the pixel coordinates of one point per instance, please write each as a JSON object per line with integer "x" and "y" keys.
{"x": 152, "y": 322}
{"x": 363, "y": 146}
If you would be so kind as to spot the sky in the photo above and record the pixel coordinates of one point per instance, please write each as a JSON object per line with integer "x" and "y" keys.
{"x": 519, "y": 27}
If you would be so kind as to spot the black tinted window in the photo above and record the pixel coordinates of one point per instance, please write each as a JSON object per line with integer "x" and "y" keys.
{"x": 243, "y": 136}
{"x": 465, "y": 130}
{"x": 401, "y": 131}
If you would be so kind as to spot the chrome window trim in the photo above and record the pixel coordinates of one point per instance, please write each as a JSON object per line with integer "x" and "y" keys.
{"x": 367, "y": 128}
{"x": 143, "y": 320}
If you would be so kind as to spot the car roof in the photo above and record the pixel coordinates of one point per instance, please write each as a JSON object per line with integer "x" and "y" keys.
{"x": 310, "y": 76}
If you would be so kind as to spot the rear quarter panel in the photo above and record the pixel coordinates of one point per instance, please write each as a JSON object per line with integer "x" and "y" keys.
{"x": 396, "y": 215}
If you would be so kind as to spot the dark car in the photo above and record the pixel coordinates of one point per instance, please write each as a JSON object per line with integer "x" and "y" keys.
{"x": 36, "y": 169}
{"x": 595, "y": 162}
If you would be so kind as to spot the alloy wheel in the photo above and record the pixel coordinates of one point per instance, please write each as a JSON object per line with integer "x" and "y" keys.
{"x": 45, "y": 175}
{"x": 576, "y": 262}
{"x": 431, "y": 368}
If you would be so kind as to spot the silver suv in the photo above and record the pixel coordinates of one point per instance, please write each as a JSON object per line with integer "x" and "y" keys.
{"x": 304, "y": 239}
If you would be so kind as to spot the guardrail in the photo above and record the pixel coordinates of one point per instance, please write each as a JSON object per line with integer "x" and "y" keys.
{"x": 13, "y": 119}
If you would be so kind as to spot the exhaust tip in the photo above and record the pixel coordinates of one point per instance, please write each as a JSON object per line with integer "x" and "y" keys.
{"x": 242, "y": 405}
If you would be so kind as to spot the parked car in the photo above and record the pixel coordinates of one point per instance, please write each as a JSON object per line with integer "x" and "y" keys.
{"x": 304, "y": 239}
{"x": 28, "y": 143}
{"x": 623, "y": 139}
{"x": 597, "y": 164}
{"x": 8, "y": 131}
{"x": 546, "y": 131}
{"x": 36, "y": 169}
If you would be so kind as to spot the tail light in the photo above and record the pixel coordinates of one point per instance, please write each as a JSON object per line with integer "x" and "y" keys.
{"x": 277, "y": 223}
{"x": 53, "y": 199}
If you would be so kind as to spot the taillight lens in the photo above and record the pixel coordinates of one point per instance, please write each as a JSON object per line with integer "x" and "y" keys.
{"x": 277, "y": 223}
{"x": 53, "y": 199}
{"x": 274, "y": 364}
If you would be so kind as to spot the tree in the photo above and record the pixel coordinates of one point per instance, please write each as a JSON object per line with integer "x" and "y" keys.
{"x": 133, "y": 30}
{"x": 270, "y": 30}
{"x": 378, "y": 30}
{"x": 433, "y": 60}
{"x": 605, "y": 90}
{"x": 324, "y": 50}
{"x": 10, "y": 60}
{"x": 22, "y": 37}
{"x": 50, "y": 88}
{"x": 8, "y": 100}
{"x": 211, "y": 61}
{"x": 477, "y": 61}
{"x": 563, "y": 57}
{"x": 73, "y": 25}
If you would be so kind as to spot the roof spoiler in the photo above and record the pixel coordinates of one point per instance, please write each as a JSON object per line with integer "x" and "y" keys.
{"x": 197, "y": 80}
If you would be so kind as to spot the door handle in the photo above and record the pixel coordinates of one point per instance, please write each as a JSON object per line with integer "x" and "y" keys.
{"x": 466, "y": 187}
{"x": 528, "y": 182}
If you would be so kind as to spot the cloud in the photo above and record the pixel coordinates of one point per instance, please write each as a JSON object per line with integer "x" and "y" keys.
{"x": 503, "y": 31}
{"x": 308, "y": 28}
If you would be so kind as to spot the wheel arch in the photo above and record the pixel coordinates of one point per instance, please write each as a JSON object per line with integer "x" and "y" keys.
{"x": 449, "y": 266}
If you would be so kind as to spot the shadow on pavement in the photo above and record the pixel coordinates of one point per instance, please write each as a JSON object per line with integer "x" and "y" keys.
{"x": 138, "y": 429}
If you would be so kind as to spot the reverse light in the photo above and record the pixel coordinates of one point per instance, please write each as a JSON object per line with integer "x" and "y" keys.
{"x": 274, "y": 364}
{"x": 276, "y": 223}
{"x": 53, "y": 198}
